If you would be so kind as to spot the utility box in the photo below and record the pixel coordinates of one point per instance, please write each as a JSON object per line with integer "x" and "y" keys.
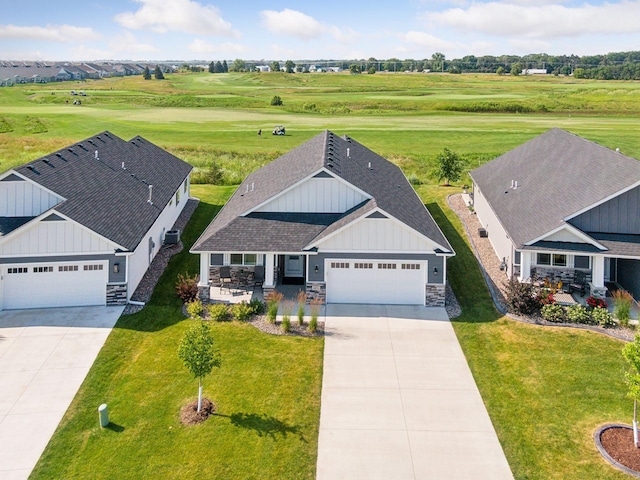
{"x": 483, "y": 232}
{"x": 103, "y": 414}
{"x": 172, "y": 237}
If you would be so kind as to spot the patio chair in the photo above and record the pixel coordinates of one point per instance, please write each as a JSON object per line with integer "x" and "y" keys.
{"x": 258, "y": 277}
{"x": 579, "y": 283}
{"x": 225, "y": 278}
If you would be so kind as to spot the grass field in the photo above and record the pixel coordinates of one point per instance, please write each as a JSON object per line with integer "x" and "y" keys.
{"x": 546, "y": 390}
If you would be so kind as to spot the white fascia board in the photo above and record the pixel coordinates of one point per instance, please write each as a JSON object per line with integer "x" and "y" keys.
{"x": 27, "y": 179}
{"x": 604, "y": 200}
{"x": 257, "y": 252}
{"x": 300, "y": 182}
{"x": 578, "y": 233}
{"x": 367, "y": 214}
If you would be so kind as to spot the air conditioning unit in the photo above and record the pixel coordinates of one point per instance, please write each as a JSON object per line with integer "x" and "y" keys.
{"x": 483, "y": 232}
{"x": 172, "y": 237}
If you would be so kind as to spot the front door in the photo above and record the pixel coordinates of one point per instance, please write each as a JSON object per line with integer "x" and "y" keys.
{"x": 293, "y": 266}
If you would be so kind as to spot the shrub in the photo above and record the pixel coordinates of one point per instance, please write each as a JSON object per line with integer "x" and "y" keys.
{"x": 286, "y": 324}
{"x": 241, "y": 311}
{"x": 257, "y": 307}
{"x": 273, "y": 304}
{"x": 187, "y": 287}
{"x": 316, "y": 303}
{"x": 302, "y": 300}
{"x": 218, "y": 312}
{"x": 578, "y": 314}
{"x": 552, "y": 312}
{"x": 287, "y": 308}
{"x": 596, "y": 302}
{"x": 313, "y": 325}
{"x": 602, "y": 317}
{"x": 622, "y": 306}
{"x": 521, "y": 298}
{"x": 414, "y": 179}
{"x": 276, "y": 100}
{"x": 195, "y": 308}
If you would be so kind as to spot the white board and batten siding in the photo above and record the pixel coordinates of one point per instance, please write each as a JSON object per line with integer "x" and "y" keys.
{"x": 316, "y": 195}
{"x": 25, "y": 199}
{"x": 378, "y": 234}
{"x": 56, "y": 237}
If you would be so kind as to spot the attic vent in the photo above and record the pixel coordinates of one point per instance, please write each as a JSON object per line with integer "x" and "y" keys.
{"x": 70, "y": 150}
{"x": 32, "y": 168}
{"x": 107, "y": 135}
{"x": 100, "y": 139}
{"x": 82, "y": 147}
{"x": 48, "y": 163}
{"x": 134, "y": 144}
{"x": 91, "y": 142}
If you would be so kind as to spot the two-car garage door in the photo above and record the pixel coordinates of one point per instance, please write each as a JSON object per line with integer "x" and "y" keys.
{"x": 375, "y": 281}
{"x": 53, "y": 285}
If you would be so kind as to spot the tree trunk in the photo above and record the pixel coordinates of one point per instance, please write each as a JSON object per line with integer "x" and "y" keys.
{"x": 200, "y": 396}
{"x": 635, "y": 422}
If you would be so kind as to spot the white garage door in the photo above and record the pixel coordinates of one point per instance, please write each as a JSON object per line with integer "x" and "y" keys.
{"x": 54, "y": 285}
{"x": 375, "y": 281}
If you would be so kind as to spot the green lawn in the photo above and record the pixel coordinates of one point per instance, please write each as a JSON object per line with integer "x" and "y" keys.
{"x": 267, "y": 393}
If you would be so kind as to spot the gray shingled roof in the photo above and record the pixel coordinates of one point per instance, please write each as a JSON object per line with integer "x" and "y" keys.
{"x": 364, "y": 169}
{"x": 558, "y": 175}
{"x": 103, "y": 196}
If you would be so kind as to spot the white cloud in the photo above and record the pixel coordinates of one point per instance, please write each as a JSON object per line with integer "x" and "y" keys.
{"x": 82, "y": 53}
{"x": 541, "y": 21}
{"x": 426, "y": 40}
{"x": 127, "y": 42}
{"x": 176, "y": 15}
{"x": 200, "y": 46}
{"x": 292, "y": 23}
{"x": 49, "y": 33}
{"x": 345, "y": 35}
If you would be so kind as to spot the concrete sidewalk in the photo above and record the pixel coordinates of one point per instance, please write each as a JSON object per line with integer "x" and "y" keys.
{"x": 399, "y": 401}
{"x": 45, "y": 354}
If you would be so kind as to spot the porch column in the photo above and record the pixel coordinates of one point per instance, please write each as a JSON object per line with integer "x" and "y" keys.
{"x": 269, "y": 270}
{"x": 597, "y": 272}
{"x": 525, "y": 265}
{"x": 204, "y": 270}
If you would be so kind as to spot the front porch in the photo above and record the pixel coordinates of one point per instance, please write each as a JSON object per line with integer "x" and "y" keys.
{"x": 246, "y": 294}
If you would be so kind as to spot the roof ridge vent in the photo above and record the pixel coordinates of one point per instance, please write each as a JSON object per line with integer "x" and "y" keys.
{"x": 71, "y": 150}
{"x": 82, "y": 147}
{"x": 33, "y": 169}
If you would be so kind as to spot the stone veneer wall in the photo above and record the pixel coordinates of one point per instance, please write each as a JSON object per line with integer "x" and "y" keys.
{"x": 117, "y": 294}
{"x": 214, "y": 274}
{"x": 434, "y": 295}
{"x": 204, "y": 294}
{"x": 316, "y": 290}
{"x": 565, "y": 272}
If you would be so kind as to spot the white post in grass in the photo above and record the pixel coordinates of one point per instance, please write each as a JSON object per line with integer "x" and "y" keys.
{"x": 631, "y": 353}
{"x": 200, "y": 398}
{"x": 635, "y": 423}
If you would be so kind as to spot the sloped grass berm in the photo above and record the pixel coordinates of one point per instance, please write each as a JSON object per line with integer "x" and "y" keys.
{"x": 267, "y": 396}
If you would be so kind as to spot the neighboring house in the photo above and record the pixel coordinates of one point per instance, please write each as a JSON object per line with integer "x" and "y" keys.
{"x": 262, "y": 68}
{"x": 80, "y": 226}
{"x": 534, "y": 71}
{"x": 335, "y": 218}
{"x": 560, "y": 203}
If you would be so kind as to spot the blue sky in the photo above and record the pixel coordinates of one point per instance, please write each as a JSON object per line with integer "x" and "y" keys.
{"x": 223, "y": 29}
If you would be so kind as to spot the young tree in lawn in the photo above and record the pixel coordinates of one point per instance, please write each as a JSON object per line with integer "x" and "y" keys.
{"x": 275, "y": 66}
{"x": 290, "y": 66}
{"x": 198, "y": 353}
{"x": 631, "y": 353}
{"x": 449, "y": 167}
{"x": 146, "y": 74}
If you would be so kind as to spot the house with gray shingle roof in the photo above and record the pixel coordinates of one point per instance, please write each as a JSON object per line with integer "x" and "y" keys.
{"x": 560, "y": 204}
{"x": 335, "y": 218}
{"x": 81, "y": 226}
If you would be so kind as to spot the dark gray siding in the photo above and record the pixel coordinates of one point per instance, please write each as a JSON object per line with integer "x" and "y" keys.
{"x": 434, "y": 262}
{"x": 113, "y": 277}
{"x": 619, "y": 215}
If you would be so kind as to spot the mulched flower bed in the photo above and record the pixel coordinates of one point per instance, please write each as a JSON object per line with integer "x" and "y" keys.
{"x": 189, "y": 414}
{"x": 615, "y": 442}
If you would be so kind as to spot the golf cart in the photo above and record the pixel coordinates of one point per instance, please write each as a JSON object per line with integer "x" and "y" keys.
{"x": 278, "y": 130}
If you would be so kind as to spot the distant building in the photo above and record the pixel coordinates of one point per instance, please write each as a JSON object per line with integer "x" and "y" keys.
{"x": 534, "y": 71}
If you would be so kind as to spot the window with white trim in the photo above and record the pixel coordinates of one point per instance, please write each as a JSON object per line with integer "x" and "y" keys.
{"x": 92, "y": 267}
{"x": 68, "y": 268}
{"x": 17, "y": 270}
{"x": 363, "y": 265}
{"x": 177, "y": 196}
{"x": 42, "y": 269}
{"x": 410, "y": 266}
{"x": 339, "y": 264}
{"x": 245, "y": 259}
{"x": 551, "y": 260}
{"x": 387, "y": 266}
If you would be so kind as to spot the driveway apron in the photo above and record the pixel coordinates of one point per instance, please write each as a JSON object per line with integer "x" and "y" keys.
{"x": 399, "y": 401}
{"x": 45, "y": 354}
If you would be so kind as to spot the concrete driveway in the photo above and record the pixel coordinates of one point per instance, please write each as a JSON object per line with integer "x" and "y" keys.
{"x": 45, "y": 355}
{"x": 399, "y": 401}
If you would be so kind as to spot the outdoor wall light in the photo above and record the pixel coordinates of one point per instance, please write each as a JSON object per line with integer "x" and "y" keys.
{"x": 503, "y": 264}
{"x": 435, "y": 270}
{"x": 116, "y": 268}
{"x": 315, "y": 269}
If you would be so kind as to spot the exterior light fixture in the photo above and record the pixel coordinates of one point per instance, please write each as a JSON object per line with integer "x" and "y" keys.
{"x": 315, "y": 269}
{"x": 116, "y": 268}
{"x": 435, "y": 270}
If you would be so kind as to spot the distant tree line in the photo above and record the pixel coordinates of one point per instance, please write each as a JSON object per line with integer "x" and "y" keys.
{"x": 612, "y": 66}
